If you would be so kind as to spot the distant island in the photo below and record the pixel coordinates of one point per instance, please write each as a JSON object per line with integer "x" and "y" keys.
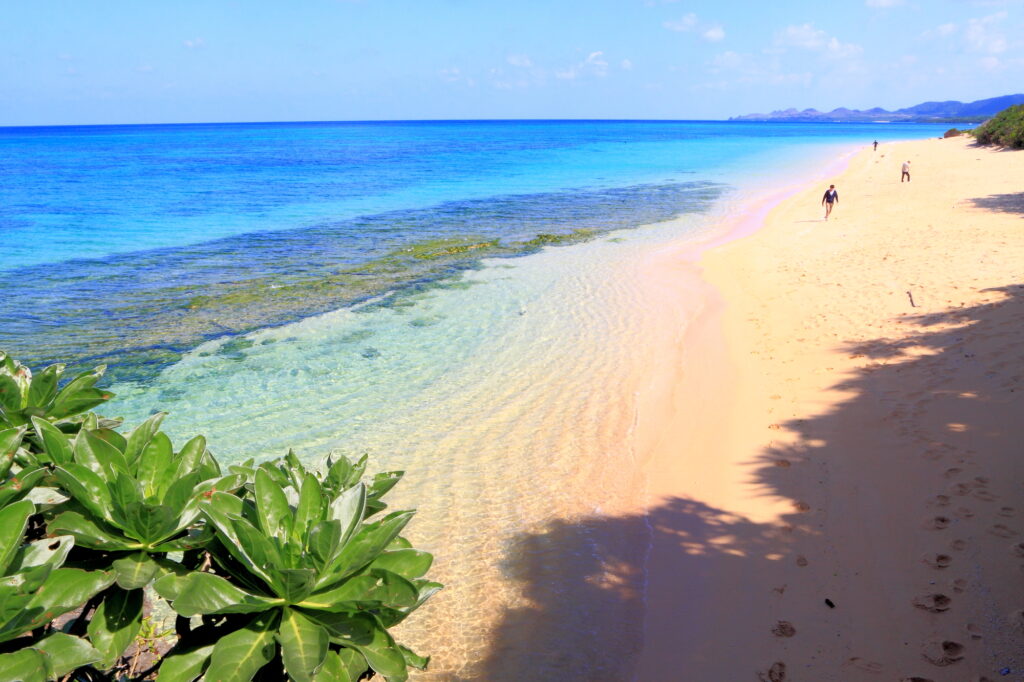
{"x": 926, "y": 112}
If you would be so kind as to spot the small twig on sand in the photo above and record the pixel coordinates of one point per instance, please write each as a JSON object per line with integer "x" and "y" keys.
{"x": 911, "y": 297}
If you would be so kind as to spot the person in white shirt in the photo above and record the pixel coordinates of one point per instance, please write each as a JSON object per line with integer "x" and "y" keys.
{"x": 906, "y": 172}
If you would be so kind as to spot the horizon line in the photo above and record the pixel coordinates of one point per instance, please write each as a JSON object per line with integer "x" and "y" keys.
{"x": 428, "y": 120}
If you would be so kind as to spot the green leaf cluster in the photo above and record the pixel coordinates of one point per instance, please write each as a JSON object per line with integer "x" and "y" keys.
{"x": 275, "y": 570}
{"x": 1005, "y": 129}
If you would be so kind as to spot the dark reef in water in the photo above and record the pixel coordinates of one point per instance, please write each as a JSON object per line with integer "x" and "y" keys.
{"x": 139, "y": 312}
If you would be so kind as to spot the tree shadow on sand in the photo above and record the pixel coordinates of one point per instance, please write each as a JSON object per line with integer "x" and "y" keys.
{"x": 1003, "y": 203}
{"x": 581, "y": 616}
{"x": 583, "y": 581}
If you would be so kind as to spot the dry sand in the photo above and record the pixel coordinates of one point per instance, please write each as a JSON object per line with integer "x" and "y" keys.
{"x": 841, "y": 493}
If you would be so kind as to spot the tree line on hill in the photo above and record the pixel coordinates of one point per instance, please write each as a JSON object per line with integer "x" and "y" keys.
{"x": 1005, "y": 129}
{"x": 950, "y": 111}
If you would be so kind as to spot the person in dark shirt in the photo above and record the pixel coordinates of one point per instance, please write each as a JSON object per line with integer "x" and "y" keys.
{"x": 831, "y": 198}
{"x": 876, "y": 145}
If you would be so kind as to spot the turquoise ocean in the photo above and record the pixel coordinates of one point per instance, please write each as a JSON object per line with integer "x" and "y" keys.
{"x": 455, "y": 299}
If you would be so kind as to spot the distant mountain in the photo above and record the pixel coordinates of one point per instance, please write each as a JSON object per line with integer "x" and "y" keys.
{"x": 926, "y": 112}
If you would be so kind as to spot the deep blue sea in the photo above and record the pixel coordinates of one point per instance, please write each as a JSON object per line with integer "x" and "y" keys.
{"x": 130, "y": 245}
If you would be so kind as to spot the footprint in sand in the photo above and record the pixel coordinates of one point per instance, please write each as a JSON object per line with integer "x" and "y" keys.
{"x": 783, "y": 628}
{"x": 958, "y": 545}
{"x": 952, "y": 472}
{"x": 865, "y": 665}
{"x": 981, "y": 481}
{"x": 932, "y": 603}
{"x": 959, "y": 585}
{"x": 784, "y": 463}
{"x": 1006, "y": 512}
{"x": 777, "y": 673}
{"x": 802, "y": 507}
{"x": 1001, "y": 531}
{"x": 960, "y": 489}
{"x": 1018, "y": 549}
{"x": 938, "y": 523}
{"x": 964, "y": 512}
{"x": 946, "y": 652}
{"x": 973, "y": 630}
{"x": 938, "y": 560}
{"x": 1017, "y": 620}
{"x": 939, "y": 501}
{"x": 801, "y": 561}
{"x": 985, "y": 496}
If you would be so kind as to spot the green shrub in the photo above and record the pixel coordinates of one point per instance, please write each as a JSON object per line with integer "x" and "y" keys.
{"x": 953, "y": 132}
{"x": 275, "y": 571}
{"x": 1005, "y": 129}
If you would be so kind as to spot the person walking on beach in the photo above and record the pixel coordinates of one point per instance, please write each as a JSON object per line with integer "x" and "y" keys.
{"x": 831, "y": 197}
{"x": 906, "y": 172}
{"x": 876, "y": 145}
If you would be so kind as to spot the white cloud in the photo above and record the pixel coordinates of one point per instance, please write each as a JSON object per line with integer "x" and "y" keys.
{"x": 983, "y": 35}
{"x": 803, "y": 35}
{"x": 451, "y": 75}
{"x": 520, "y": 60}
{"x": 941, "y": 31}
{"x": 807, "y": 37}
{"x": 193, "y": 43}
{"x": 737, "y": 69}
{"x": 596, "y": 61}
{"x": 728, "y": 60}
{"x": 839, "y": 50}
{"x": 714, "y": 34}
{"x": 595, "y": 64}
{"x": 626, "y": 65}
{"x": 518, "y": 79}
{"x": 685, "y": 23}
{"x": 799, "y": 56}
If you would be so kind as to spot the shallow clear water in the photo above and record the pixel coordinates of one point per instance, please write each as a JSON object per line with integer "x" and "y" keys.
{"x": 390, "y": 289}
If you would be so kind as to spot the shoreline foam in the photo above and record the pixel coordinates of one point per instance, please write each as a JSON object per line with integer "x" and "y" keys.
{"x": 857, "y": 443}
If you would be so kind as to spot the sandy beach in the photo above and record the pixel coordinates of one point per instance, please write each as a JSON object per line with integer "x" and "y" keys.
{"x": 839, "y": 493}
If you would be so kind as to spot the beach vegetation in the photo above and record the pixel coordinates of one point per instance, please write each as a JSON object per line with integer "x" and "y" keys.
{"x": 953, "y": 132}
{"x": 273, "y": 571}
{"x": 1005, "y": 129}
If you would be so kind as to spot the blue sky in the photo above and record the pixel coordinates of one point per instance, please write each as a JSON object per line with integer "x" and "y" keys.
{"x": 87, "y": 62}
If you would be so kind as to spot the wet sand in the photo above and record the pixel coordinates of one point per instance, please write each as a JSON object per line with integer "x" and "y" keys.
{"x": 836, "y": 485}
